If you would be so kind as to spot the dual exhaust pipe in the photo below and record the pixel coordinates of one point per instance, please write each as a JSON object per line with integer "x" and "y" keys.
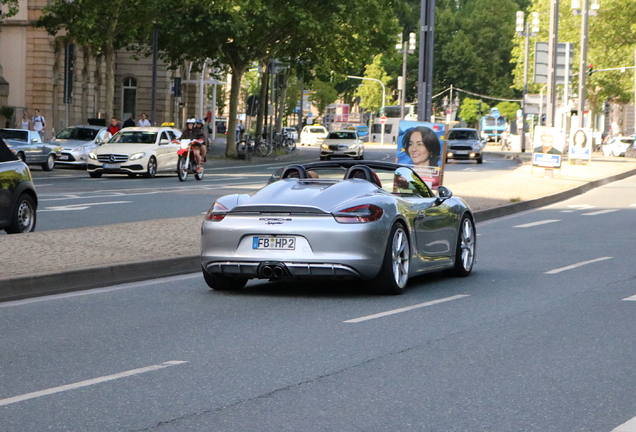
{"x": 270, "y": 270}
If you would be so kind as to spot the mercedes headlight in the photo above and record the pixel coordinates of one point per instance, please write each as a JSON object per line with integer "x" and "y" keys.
{"x": 92, "y": 155}
{"x": 137, "y": 156}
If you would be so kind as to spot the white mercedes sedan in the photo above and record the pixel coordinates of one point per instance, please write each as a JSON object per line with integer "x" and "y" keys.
{"x": 136, "y": 150}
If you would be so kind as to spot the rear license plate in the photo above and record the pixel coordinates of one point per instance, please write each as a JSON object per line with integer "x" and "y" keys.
{"x": 112, "y": 166}
{"x": 274, "y": 243}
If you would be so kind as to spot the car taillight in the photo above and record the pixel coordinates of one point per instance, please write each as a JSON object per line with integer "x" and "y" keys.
{"x": 359, "y": 214}
{"x": 217, "y": 212}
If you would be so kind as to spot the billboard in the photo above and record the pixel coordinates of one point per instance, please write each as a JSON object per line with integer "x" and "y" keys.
{"x": 421, "y": 146}
{"x": 581, "y": 145}
{"x": 548, "y": 147}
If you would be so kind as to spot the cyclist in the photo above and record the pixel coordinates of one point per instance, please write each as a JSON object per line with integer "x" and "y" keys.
{"x": 193, "y": 133}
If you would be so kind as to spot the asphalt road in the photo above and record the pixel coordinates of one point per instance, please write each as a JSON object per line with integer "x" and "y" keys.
{"x": 69, "y": 198}
{"x": 539, "y": 338}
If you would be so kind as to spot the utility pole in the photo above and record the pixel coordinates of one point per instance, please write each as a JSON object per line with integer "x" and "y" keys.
{"x": 526, "y": 34}
{"x": 425, "y": 73}
{"x": 583, "y": 63}
{"x": 553, "y": 39}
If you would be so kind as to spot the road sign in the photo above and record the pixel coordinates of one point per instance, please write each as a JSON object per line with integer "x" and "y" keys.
{"x": 382, "y": 119}
{"x": 495, "y": 114}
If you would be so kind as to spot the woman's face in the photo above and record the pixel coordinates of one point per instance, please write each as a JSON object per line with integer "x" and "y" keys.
{"x": 579, "y": 139}
{"x": 417, "y": 150}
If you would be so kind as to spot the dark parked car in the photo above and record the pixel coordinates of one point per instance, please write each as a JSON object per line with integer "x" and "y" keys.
{"x": 18, "y": 199}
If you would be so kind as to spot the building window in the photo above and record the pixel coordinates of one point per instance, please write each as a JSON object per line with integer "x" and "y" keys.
{"x": 129, "y": 97}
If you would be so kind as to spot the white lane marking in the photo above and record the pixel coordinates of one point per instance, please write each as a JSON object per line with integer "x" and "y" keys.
{"x": 629, "y": 426}
{"x": 573, "y": 266}
{"x": 600, "y": 212}
{"x": 632, "y": 298}
{"x": 87, "y": 383}
{"x": 632, "y": 205}
{"x": 100, "y": 290}
{"x": 537, "y": 223}
{"x": 405, "y": 309}
{"x": 73, "y": 207}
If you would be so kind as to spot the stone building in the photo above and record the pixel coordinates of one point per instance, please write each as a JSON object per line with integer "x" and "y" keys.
{"x": 32, "y": 65}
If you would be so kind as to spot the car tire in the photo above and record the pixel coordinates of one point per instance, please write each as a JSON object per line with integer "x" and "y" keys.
{"x": 24, "y": 216}
{"x": 480, "y": 160}
{"x": 95, "y": 174}
{"x": 465, "y": 249}
{"x": 223, "y": 283}
{"x": 152, "y": 168}
{"x": 394, "y": 273}
{"x": 50, "y": 163}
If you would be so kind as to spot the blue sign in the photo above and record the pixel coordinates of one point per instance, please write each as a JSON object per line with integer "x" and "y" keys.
{"x": 495, "y": 114}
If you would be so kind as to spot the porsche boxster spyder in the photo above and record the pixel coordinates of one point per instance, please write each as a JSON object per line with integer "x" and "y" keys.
{"x": 373, "y": 221}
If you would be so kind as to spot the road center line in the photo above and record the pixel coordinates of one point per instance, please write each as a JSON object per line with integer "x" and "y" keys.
{"x": 629, "y": 426}
{"x": 532, "y": 224}
{"x": 632, "y": 298}
{"x": 573, "y": 266}
{"x": 87, "y": 383}
{"x": 600, "y": 212}
{"x": 404, "y": 309}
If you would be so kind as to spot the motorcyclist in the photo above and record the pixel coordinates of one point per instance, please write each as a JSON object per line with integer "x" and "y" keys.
{"x": 191, "y": 132}
{"x": 206, "y": 140}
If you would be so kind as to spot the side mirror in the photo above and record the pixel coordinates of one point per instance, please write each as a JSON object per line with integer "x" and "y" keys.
{"x": 443, "y": 193}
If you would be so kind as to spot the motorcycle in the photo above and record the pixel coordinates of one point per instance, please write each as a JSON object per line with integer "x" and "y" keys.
{"x": 187, "y": 163}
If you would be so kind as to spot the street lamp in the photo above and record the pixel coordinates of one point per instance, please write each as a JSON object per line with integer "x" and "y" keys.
{"x": 584, "y": 12}
{"x": 526, "y": 33}
{"x": 383, "y": 99}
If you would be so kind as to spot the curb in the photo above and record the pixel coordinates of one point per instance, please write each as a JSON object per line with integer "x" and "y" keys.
{"x": 97, "y": 277}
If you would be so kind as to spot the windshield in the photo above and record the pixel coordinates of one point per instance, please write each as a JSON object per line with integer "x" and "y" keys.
{"x": 317, "y": 130}
{"x": 15, "y": 135}
{"x": 136, "y": 137}
{"x": 462, "y": 135}
{"x": 342, "y": 135}
{"x": 81, "y": 134}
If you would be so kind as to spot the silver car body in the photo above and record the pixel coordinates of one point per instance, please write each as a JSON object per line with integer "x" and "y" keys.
{"x": 464, "y": 144}
{"x": 307, "y": 212}
{"x": 342, "y": 143}
{"x": 77, "y": 142}
{"x": 28, "y": 146}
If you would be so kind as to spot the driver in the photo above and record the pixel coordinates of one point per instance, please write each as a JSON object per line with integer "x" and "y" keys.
{"x": 192, "y": 133}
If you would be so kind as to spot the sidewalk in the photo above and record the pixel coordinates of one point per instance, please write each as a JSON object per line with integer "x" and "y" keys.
{"x": 64, "y": 260}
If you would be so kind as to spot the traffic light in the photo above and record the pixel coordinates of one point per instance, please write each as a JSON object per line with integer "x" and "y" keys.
{"x": 590, "y": 70}
{"x": 480, "y": 109}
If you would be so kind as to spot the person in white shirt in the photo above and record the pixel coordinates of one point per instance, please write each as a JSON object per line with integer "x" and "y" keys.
{"x": 38, "y": 123}
{"x": 143, "y": 121}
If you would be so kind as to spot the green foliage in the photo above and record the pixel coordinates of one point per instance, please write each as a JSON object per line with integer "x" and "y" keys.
{"x": 323, "y": 94}
{"x": 369, "y": 91}
{"x": 469, "y": 110}
{"x": 508, "y": 110}
{"x": 13, "y": 7}
{"x": 473, "y": 43}
{"x": 611, "y": 43}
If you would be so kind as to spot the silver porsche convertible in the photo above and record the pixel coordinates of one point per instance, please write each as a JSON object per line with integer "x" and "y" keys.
{"x": 372, "y": 221}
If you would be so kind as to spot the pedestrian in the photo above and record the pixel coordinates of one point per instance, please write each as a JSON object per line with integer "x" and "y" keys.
{"x": 143, "y": 121}
{"x": 129, "y": 123}
{"x": 114, "y": 127}
{"x": 38, "y": 123}
{"x": 238, "y": 132}
{"x": 25, "y": 122}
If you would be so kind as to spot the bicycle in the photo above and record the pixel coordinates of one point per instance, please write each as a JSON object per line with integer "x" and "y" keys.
{"x": 262, "y": 147}
{"x": 284, "y": 141}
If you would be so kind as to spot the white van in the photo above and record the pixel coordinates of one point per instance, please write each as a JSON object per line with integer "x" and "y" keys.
{"x": 313, "y": 135}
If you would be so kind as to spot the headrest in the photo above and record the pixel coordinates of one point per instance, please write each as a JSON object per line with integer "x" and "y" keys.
{"x": 294, "y": 171}
{"x": 363, "y": 172}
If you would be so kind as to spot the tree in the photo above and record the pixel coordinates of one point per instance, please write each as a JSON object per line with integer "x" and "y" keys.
{"x": 369, "y": 91}
{"x": 508, "y": 110}
{"x": 239, "y": 32}
{"x": 469, "y": 111}
{"x": 323, "y": 94}
{"x": 86, "y": 23}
